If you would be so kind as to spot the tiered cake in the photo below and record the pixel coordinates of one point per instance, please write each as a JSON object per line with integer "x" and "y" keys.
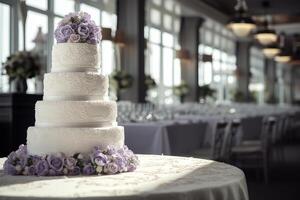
{"x": 75, "y": 130}
{"x": 75, "y": 115}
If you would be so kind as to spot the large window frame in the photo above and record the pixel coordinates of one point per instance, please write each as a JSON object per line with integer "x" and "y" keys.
{"x": 217, "y": 41}
{"x": 16, "y": 41}
{"x": 164, "y": 92}
{"x": 257, "y": 79}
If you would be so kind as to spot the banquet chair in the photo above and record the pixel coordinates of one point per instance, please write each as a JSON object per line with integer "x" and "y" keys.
{"x": 229, "y": 139}
{"x": 213, "y": 152}
{"x": 242, "y": 154}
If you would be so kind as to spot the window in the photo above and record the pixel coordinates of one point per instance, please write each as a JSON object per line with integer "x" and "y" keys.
{"x": 5, "y": 39}
{"x": 162, "y": 29}
{"x": 33, "y": 22}
{"x": 46, "y": 14}
{"x": 256, "y": 85}
{"x": 64, "y": 7}
{"x": 219, "y": 43}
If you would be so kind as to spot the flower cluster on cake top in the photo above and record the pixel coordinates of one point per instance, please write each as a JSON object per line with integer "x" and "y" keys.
{"x": 100, "y": 161}
{"x": 77, "y": 28}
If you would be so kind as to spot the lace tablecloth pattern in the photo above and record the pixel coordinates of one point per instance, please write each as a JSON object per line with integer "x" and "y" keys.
{"x": 157, "y": 177}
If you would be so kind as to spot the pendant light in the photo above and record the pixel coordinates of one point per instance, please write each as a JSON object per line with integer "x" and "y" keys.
{"x": 266, "y": 36}
{"x": 271, "y": 51}
{"x": 283, "y": 56}
{"x": 241, "y": 24}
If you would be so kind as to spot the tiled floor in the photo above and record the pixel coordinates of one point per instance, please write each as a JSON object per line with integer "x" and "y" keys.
{"x": 284, "y": 177}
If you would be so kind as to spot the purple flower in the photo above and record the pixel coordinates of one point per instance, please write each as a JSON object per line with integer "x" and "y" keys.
{"x": 74, "y": 38}
{"x": 70, "y": 163}
{"x": 55, "y": 162}
{"x": 30, "y": 170}
{"x": 88, "y": 169}
{"x": 12, "y": 157}
{"x": 83, "y": 30}
{"x": 59, "y": 36}
{"x": 52, "y": 172}
{"x": 22, "y": 151}
{"x": 111, "y": 168}
{"x": 131, "y": 167}
{"x": 99, "y": 158}
{"x": 120, "y": 162}
{"x": 75, "y": 171}
{"x": 9, "y": 168}
{"x": 111, "y": 150}
{"x": 74, "y": 26}
{"x": 85, "y": 16}
{"x": 67, "y": 31}
{"x": 42, "y": 168}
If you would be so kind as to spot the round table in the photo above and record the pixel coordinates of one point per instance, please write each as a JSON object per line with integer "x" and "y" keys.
{"x": 157, "y": 177}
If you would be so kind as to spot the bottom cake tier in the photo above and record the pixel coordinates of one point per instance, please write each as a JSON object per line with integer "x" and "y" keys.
{"x": 69, "y": 141}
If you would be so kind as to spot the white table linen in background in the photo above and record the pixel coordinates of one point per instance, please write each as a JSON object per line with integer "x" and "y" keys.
{"x": 157, "y": 178}
{"x": 168, "y": 137}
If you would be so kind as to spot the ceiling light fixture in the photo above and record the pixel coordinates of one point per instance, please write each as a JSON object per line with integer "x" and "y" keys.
{"x": 283, "y": 56}
{"x": 241, "y": 24}
{"x": 266, "y": 36}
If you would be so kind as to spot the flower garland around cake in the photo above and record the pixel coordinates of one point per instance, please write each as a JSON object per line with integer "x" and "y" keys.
{"x": 108, "y": 161}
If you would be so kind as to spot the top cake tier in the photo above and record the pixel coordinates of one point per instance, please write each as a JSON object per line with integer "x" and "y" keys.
{"x": 75, "y": 57}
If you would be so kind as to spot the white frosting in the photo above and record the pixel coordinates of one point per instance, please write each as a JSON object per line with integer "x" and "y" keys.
{"x": 41, "y": 141}
{"x": 68, "y": 57}
{"x": 75, "y": 86}
{"x": 75, "y": 113}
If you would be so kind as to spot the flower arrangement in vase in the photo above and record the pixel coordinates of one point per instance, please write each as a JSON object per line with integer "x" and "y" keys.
{"x": 181, "y": 90}
{"x": 19, "y": 67}
{"x": 205, "y": 91}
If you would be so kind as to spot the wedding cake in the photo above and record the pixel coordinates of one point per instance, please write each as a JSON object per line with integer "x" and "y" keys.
{"x": 75, "y": 130}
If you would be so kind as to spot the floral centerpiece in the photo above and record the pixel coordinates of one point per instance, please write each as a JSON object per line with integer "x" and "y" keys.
{"x": 150, "y": 82}
{"x": 78, "y": 28}
{"x": 20, "y": 66}
{"x": 108, "y": 161}
{"x": 205, "y": 91}
{"x": 120, "y": 80}
{"x": 181, "y": 90}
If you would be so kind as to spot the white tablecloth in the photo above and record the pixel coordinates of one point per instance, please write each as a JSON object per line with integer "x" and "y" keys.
{"x": 167, "y": 137}
{"x": 157, "y": 177}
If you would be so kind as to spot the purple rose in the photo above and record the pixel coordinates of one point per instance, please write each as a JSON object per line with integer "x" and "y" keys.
{"x": 70, "y": 163}
{"x": 23, "y": 161}
{"x": 111, "y": 150}
{"x": 88, "y": 169}
{"x": 67, "y": 31}
{"x": 55, "y": 162}
{"x": 75, "y": 171}
{"x": 42, "y": 168}
{"x": 59, "y": 36}
{"x": 74, "y": 26}
{"x": 120, "y": 162}
{"x": 111, "y": 168}
{"x": 30, "y": 170}
{"x": 52, "y": 172}
{"x": 74, "y": 38}
{"x": 83, "y": 30}
{"x": 22, "y": 151}
{"x": 12, "y": 157}
{"x": 99, "y": 158}
{"x": 93, "y": 40}
{"x": 9, "y": 168}
{"x": 85, "y": 16}
{"x": 131, "y": 167}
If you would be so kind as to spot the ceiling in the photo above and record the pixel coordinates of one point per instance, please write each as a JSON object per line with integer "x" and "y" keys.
{"x": 285, "y": 13}
{"x": 287, "y": 7}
